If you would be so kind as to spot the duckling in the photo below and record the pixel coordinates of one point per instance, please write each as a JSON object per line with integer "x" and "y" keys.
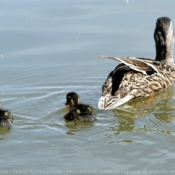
{"x": 5, "y": 118}
{"x": 139, "y": 77}
{"x": 78, "y": 111}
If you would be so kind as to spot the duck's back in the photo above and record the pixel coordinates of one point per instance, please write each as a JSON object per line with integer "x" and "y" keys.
{"x": 129, "y": 81}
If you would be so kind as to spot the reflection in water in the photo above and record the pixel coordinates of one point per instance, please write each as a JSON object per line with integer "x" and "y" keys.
{"x": 81, "y": 126}
{"x": 161, "y": 106}
{"x": 3, "y": 131}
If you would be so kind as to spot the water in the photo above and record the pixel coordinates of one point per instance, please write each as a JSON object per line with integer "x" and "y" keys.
{"x": 49, "y": 48}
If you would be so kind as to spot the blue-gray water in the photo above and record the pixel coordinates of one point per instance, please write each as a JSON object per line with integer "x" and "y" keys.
{"x": 49, "y": 48}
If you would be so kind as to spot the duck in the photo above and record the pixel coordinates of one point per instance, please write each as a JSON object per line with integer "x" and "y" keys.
{"x": 5, "y": 118}
{"x": 78, "y": 111}
{"x": 141, "y": 77}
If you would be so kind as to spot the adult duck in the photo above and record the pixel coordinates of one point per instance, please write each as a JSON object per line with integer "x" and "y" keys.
{"x": 138, "y": 77}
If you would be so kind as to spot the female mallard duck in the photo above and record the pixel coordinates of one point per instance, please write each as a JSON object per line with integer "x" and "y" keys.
{"x": 78, "y": 111}
{"x": 5, "y": 118}
{"x": 137, "y": 77}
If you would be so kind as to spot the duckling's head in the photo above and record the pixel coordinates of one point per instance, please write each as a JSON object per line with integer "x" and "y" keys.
{"x": 72, "y": 99}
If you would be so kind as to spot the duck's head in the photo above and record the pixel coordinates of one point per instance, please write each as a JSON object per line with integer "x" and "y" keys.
{"x": 5, "y": 118}
{"x": 164, "y": 40}
{"x": 72, "y": 99}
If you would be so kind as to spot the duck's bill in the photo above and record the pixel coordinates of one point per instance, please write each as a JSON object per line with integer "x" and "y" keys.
{"x": 112, "y": 102}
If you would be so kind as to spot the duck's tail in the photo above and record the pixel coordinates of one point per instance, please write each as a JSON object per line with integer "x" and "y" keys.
{"x": 112, "y": 102}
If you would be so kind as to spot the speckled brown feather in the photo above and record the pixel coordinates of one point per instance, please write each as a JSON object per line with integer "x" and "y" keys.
{"x": 134, "y": 84}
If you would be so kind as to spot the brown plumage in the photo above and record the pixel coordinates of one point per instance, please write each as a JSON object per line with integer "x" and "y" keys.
{"x": 137, "y": 77}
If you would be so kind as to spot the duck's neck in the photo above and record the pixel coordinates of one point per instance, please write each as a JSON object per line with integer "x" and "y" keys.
{"x": 164, "y": 40}
{"x": 164, "y": 54}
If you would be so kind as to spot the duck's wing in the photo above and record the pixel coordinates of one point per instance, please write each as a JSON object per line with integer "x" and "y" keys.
{"x": 137, "y": 64}
{"x": 114, "y": 96}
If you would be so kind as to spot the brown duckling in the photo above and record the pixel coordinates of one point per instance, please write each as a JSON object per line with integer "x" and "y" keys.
{"x": 5, "y": 118}
{"x": 78, "y": 111}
